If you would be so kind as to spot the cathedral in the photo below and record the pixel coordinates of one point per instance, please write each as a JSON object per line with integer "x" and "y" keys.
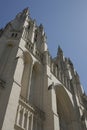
{"x": 37, "y": 92}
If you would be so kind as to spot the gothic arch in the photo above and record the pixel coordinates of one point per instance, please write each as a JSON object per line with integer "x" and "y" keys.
{"x": 27, "y": 57}
{"x": 35, "y": 86}
{"x": 37, "y": 67}
{"x": 65, "y": 108}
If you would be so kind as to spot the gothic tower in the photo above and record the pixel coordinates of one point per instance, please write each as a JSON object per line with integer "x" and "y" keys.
{"x": 37, "y": 92}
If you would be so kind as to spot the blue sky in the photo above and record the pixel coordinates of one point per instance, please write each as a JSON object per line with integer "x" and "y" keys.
{"x": 65, "y": 23}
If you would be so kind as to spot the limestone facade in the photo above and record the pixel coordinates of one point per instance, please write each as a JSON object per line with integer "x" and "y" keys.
{"x": 37, "y": 92}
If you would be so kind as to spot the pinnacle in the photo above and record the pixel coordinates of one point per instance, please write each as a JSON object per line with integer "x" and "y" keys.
{"x": 26, "y": 11}
{"x": 59, "y": 51}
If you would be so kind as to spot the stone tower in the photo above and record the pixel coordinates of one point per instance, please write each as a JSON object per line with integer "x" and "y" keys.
{"x": 37, "y": 92}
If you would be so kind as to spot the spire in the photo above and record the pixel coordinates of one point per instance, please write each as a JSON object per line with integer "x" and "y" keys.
{"x": 26, "y": 11}
{"x": 23, "y": 14}
{"x": 41, "y": 29}
{"x": 59, "y": 52}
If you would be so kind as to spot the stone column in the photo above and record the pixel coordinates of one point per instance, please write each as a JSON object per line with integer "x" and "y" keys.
{"x": 23, "y": 118}
{"x": 54, "y": 109}
{"x": 31, "y": 122}
{"x": 56, "y": 122}
{"x": 27, "y": 74}
{"x": 27, "y": 124}
{"x": 33, "y": 32}
{"x": 59, "y": 75}
{"x": 18, "y": 115}
{"x": 30, "y": 76}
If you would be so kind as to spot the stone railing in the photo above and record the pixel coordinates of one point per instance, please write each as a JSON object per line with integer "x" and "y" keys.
{"x": 28, "y": 118}
{"x": 38, "y": 54}
{"x": 30, "y": 46}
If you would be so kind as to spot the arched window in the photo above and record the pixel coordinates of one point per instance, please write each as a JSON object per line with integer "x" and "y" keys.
{"x": 35, "y": 87}
{"x": 12, "y": 35}
{"x": 28, "y": 27}
{"x": 65, "y": 109}
{"x": 26, "y": 78}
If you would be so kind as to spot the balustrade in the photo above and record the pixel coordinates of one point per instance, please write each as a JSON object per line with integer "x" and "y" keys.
{"x": 30, "y": 46}
{"x": 25, "y": 116}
